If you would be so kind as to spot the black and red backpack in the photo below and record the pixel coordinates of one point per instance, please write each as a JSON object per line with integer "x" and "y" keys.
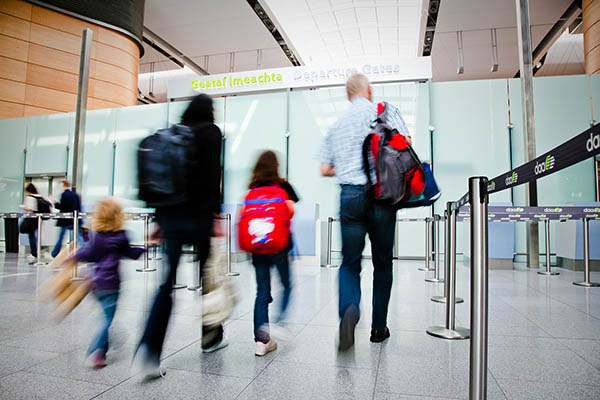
{"x": 399, "y": 175}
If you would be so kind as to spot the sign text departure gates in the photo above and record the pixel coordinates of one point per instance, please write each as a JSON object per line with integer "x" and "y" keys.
{"x": 296, "y": 77}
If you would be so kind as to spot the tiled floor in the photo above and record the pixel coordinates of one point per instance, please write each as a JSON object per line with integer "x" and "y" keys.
{"x": 544, "y": 341}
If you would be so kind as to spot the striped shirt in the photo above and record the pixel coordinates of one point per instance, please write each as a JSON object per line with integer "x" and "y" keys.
{"x": 342, "y": 147}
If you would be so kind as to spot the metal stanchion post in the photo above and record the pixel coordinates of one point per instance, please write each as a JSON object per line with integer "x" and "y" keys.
{"x": 586, "y": 257}
{"x": 547, "y": 271}
{"x": 329, "y": 236}
{"x": 449, "y": 256}
{"x": 75, "y": 276}
{"x": 478, "y": 368}
{"x": 450, "y": 331}
{"x": 146, "y": 235}
{"x": 38, "y": 244}
{"x": 196, "y": 259}
{"x": 436, "y": 248}
{"x": 395, "y": 249}
{"x": 427, "y": 241}
{"x": 228, "y": 243}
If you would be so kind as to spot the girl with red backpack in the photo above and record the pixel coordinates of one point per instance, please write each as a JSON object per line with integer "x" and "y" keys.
{"x": 264, "y": 231}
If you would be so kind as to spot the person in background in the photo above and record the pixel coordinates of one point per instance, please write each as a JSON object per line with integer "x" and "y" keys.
{"x": 341, "y": 156}
{"x": 193, "y": 223}
{"x": 109, "y": 245}
{"x": 266, "y": 173}
{"x": 69, "y": 202}
{"x": 30, "y": 205}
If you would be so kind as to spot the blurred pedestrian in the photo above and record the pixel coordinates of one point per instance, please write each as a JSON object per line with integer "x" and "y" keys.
{"x": 341, "y": 155}
{"x": 69, "y": 202}
{"x": 191, "y": 221}
{"x": 266, "y": 175}
{"x": 108, "y": 246}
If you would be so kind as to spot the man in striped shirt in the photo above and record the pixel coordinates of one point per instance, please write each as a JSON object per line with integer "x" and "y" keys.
{"x": 341, "y": 156}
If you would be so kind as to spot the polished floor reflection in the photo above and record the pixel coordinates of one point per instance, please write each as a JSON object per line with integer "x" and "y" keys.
{"x": 544, "y": 341}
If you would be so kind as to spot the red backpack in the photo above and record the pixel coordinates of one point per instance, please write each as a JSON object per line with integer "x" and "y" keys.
{"x": 399, "y": 174}
{"x": 264, "y": 226}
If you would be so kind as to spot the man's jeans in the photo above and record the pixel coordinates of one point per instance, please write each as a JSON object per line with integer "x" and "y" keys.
{"x": 61, "y": 236}
{"x": 108, "y": 301}
{"x": 360, "y": 215}
{"x": 262, "y": 265}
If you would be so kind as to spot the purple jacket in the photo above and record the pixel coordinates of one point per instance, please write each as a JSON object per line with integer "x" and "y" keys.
{"x": 106, "y": 249}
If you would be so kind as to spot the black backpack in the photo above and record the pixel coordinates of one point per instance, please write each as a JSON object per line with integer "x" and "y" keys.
{"x": 164, "y": 163}
{"x": 43, "y": 205}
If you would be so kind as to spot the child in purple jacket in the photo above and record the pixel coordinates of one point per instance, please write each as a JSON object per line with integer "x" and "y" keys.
{"x": 108, "y": 246}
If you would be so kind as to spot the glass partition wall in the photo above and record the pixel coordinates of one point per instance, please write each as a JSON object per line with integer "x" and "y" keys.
{"x": 461, "y": 126}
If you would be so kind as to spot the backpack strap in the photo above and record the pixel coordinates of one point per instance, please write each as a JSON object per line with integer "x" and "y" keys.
{"x": 382, "y": 112}
{"x": 365, "y": 151}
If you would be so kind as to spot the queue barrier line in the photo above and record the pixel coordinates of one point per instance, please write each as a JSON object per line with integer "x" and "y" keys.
{"x": 573, "y": 151}
{"x": 144, "y": 216}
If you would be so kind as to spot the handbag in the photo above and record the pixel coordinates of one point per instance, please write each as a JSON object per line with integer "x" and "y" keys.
{"x": 66, "y": 293}
{"x": 28, "y": 225}
{"x": 218, "y": 296}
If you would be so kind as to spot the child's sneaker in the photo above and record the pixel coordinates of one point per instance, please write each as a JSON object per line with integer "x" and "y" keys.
{"x": 264, "y": 348}
{"x": 96, "y": 360}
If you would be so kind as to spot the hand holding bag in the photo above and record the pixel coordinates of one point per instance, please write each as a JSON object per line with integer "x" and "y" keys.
{"x": 218, "y": 296}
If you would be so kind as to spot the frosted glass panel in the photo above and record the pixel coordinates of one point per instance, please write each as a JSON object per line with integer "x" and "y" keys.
{"x": 313, "y": 113}
{"x": 470, "y": 138}
{"x": 47, "y": 139}
{"x": 12, "y": 143}
{"x": 254, "y": 123}
{"x": 134, "y": 124}
{"x": 98, "y": 155}
{"x": 471, "y": 135}
{"x": 562, "y": 111}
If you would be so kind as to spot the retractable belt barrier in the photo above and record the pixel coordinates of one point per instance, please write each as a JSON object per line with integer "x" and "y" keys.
{"x": 579, "y": 148}
{"x": 146, "y": 217}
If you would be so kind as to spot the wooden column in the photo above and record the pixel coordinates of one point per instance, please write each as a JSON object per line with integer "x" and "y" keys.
{"x": 591, "y": 35}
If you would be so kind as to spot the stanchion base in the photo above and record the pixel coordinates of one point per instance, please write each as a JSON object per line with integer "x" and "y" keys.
{"x": 425, "y": 269}
{"x": 146, "y": 270}
{"x": 434, "y": 280}
{"x": 195, "y": 287}
{"x": 179, "y": 286}
{"x": 548, "y": 273}
{"x": 442, "y": 299}
{"x": 587, "y": 284}
{"x": 329, "y": 266}
{"x": 233, "y": 274}
{"x": 441, "y": 332}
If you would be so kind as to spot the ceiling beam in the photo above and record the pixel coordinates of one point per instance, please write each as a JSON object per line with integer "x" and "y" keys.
{"x": 171, "y": 52}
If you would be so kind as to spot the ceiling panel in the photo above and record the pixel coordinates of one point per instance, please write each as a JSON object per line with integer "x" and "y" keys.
{"x": 361, "y": 24}
{"x": 475, "y": 18}
{"x": 200, "y": 28}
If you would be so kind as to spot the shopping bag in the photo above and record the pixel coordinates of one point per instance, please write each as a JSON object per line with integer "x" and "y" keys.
{"x": 218, "y": 295}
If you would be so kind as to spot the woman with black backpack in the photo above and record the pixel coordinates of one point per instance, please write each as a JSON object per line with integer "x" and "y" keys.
{"x": 29, "y": 225}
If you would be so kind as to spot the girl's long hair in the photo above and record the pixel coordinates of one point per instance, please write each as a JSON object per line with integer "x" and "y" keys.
{"x": 266, "y": 169}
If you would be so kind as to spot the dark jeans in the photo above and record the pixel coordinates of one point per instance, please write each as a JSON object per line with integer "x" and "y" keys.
{"x": 61, "y": 235}
{"x": 360, "y": 215}
{"x": 177, "y": 230}
{"x": 108, "y": 301}
{"x": 33, "y": 242}
{"x": 262, "y": 265}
